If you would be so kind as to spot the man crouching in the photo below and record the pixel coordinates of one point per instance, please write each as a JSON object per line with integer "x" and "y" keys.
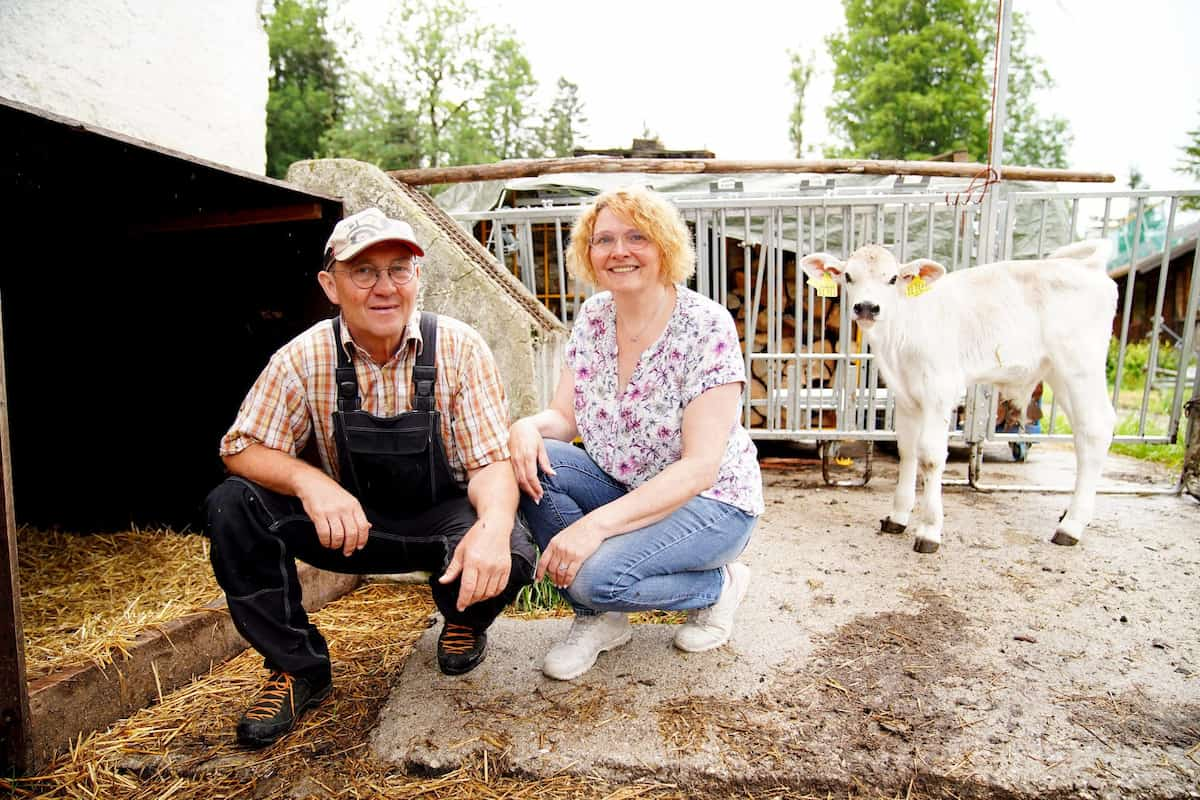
{"x": 414, "y": 473}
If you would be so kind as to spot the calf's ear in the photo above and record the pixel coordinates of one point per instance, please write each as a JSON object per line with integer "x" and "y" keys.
{"x": 818, "y": 264}
{"x": 929, "y": 271}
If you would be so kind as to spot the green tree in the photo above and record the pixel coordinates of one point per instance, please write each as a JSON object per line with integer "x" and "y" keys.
{"x": 305, "y": 84}
{"x": 1189, "y": 165}
{"x": 564, "y": 121}
{"x": 1136, "y": 179}
{"x": 1030, "y": 138}
{"x": 800, "y": 75}
{"x": 441, "y": 47}
{"x": 908, "y": 78}
{"x": 469, "y": 84}
{"x": 449, "y": 90}
{"x": 377, "y": 126}
{"x": 912, "y": 80}
{"x": 505, "y": 106}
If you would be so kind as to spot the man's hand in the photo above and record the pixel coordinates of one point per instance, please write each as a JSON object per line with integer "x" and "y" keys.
{"x": 483, "y": 560}
{"x": 569, "y": 548}
{"x": 336, "y": 514}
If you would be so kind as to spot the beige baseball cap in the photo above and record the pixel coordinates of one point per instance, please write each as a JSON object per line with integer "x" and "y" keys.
{"x": 370, "y": 226}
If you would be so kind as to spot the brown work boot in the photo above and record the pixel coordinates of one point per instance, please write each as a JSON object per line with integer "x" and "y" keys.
{"x": 280, "y": 703}
{"x": 460, "y": 648}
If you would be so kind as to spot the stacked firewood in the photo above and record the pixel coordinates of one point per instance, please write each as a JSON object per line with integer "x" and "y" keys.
{"x": 793, "y": 305}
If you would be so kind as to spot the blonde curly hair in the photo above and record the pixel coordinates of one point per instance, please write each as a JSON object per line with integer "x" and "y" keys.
{"x": 650, "y": 213}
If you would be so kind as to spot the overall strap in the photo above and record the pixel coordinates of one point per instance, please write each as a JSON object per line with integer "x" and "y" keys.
{"x": 347, "y": 379}
{"x": 424, "y": 374}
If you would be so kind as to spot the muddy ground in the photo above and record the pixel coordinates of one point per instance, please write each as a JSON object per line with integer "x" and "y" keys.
{"x": 1002, "y": 666}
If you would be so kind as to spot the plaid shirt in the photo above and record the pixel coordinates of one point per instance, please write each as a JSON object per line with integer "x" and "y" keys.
{"x": 296, "y": 394}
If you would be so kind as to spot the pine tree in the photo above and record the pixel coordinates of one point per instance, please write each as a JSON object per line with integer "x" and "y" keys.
{"x": 1189, "y": 165}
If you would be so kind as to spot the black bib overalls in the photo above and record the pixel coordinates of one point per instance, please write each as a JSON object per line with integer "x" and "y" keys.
{"x": 397, "y": 468}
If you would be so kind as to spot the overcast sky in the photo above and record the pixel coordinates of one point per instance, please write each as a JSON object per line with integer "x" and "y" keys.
{"x": 715, "y": 75}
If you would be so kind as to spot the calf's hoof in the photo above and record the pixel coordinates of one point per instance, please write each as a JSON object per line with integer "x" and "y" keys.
{"x": 926, "y": 546}
{"x": 887, "y": 526}
{"x": 1064, "y": 538}
{"x": 1067, "y": 532}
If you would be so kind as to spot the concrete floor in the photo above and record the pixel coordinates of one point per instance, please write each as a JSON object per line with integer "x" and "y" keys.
{"x": 1002, "y": 665}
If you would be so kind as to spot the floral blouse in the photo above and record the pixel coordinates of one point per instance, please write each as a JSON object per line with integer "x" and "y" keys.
{"x": 636, "y": 435}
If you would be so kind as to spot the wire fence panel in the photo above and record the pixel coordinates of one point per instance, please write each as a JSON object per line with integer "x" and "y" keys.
{"x": 810, "y": 376}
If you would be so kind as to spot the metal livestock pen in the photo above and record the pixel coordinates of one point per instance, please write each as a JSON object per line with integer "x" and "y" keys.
{"x": 801, "y": 388}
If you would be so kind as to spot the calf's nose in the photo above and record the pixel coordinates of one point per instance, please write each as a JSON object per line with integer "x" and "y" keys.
{"x": 866, "y": 309}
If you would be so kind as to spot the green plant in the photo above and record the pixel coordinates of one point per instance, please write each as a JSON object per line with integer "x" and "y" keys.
{"x": 538, "y": 598}
{"x": 1137, "y": 361}
{"x": 1159, "y": 403}
{"x": 1169, "y": 455}
{"x": 543, "y": 599}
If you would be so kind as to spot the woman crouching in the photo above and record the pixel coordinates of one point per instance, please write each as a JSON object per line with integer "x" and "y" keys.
{"x": 655, "y": 509}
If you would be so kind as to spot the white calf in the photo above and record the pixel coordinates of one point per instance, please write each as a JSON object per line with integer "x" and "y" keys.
{"x": 1011, "y": 324}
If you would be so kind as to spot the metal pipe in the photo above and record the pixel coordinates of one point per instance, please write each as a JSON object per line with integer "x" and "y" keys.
{"x": 562, "y": 274}
{"x": 1156, "y": 327}
{"x": 1128, "y": 306}
{"x": 1185, "y": 349}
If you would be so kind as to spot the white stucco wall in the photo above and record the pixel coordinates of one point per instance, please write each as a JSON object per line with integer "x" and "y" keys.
{"x": 183, "y": 74}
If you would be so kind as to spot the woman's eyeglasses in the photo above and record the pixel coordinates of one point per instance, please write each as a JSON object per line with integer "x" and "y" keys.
{"x": 634, "y": 240}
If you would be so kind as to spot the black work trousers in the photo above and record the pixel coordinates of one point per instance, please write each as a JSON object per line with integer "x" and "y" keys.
{"x": 258, "y": 534}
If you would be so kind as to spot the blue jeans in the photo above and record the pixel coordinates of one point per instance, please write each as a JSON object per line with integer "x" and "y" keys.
{"x": 673, "y": 564}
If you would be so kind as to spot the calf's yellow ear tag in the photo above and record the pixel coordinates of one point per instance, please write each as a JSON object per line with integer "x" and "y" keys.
{"x": 916, "y": 287}
{"x": 825, "y": 285}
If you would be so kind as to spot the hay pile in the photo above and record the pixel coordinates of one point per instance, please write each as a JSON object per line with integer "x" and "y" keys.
{"x": 86, "y": 598}
{"x": 184, "y": 748}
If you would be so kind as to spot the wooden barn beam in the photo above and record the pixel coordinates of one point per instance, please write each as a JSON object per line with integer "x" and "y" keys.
{"x": 207, "y": 220}
{"x": 15, "y": 742}
{"x": 532, "y": 167}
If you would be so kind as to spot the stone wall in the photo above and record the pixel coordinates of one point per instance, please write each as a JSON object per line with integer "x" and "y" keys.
{"x": 459, "y": 278}
{"x": 187, "y": 76}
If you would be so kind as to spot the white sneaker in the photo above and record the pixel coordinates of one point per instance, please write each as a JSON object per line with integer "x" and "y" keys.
{"x": 589, "y": 637}
{"x": 711, "y": 627}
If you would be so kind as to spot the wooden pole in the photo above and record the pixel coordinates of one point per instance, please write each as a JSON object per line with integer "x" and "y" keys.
{"x": 15, "y": 737}
{"x": 527, "y": 168}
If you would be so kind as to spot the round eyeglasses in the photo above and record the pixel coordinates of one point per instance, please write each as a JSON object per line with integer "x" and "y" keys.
{"x": 634, "y": 240}
{"x": 365, "y": 277}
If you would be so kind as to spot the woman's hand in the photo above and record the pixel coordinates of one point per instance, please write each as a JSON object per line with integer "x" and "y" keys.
{"x": 527, "y": 451}
{"x": 568, "y": 550}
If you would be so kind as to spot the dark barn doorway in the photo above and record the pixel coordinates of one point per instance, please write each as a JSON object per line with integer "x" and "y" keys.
{"x": 142, "y": 293}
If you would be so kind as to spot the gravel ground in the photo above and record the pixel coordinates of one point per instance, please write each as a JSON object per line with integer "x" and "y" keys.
{"x": 1001, "y": 666}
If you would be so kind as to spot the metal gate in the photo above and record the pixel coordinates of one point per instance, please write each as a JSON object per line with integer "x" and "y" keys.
{"x": 810, "y": 378}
